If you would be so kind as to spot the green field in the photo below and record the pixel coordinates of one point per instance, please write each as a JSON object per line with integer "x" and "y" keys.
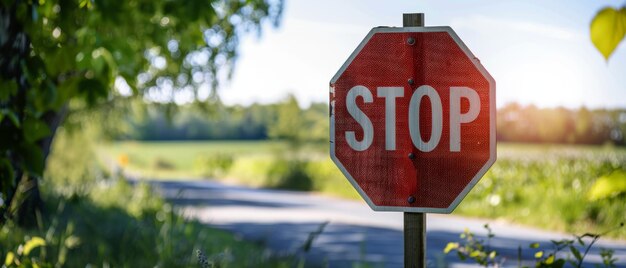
{"x": 547, "y": 186}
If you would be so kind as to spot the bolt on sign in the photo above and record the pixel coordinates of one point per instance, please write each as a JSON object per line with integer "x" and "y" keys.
{"x": 412, "y": 119}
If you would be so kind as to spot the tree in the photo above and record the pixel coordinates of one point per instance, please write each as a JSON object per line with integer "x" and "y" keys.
{"x": 288, "y": 125}
{"x": 60, "y": 55}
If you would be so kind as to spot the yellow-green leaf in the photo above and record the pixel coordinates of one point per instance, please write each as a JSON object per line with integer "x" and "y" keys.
{"x": 72, "y": 241}
{"x": 451, "y": 246}
{"x": 608, "y": 186}
{"x": 33, "y": 243}
{"x": 539, "y": 254}
{"x": 9, "y": 259}
{"x": 607, "y": 30}
{"x": 550, "y": 260}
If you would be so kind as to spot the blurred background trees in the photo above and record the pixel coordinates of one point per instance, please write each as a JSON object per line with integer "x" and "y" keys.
{"x": 288, "y": 121}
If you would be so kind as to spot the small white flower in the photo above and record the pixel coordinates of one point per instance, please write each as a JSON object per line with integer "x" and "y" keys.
{"x": 494, "y": 199}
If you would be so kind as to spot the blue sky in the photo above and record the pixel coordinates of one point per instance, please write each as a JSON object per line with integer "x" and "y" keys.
{"x": 539, "y": 52}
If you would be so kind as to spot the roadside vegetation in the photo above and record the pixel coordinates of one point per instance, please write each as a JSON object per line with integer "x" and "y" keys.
{"x": 93, "y": 217}
{"x": 570, "y": 188}
{"x": 558, "y": 253}
{"x": 560, "y": 169}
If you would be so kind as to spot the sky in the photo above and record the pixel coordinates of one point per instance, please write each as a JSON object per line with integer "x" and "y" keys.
{"x": 539, "y": 52}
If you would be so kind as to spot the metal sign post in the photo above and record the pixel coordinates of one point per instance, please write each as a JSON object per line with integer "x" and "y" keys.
{"x": 414, "y": 222}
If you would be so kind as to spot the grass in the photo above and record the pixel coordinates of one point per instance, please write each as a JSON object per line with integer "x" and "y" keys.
{"x": 546, "y": 186}
{"x": 91, "y": 219}
{"x": 175, "y": 160}
{"x": 117, "y": 225}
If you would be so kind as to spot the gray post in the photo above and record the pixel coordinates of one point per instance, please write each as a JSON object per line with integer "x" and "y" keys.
{"x": 414, "y": 223}
{"x": 414, "y": 240}
{"x": 413, "y": 20}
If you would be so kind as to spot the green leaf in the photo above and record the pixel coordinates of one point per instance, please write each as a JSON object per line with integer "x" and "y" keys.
{"x": 607, "y": 30}
{"x": 92, "y": 90}
{"x": 72, "y": 241}
{"x": 13, "y": 117}
{"x": 6, "y": 175}
{"x": 576, "y": 253}
{"x": 550, "y": 259}
{"x": 559, "y": 263}
{"x": 35, "y": 129}
{"x": 33, "y": 158}
{"x": 534, "y": 245}
{"x": 33, "y": 243}
{"x": 9, "y": 88}
{"x": 9, "y": 259}
{"x": 461, "y": 255}
{"x": 539, "y": 254}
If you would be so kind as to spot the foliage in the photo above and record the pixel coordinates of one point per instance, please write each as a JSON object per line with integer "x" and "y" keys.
{"x": 478, "y": 250}
{"x": 608, "y": 186}
{"x": 21, "y": 257}
{"x": 106, "y": 221}
{"x": 63, "y": 56}
{"x": 161, "y": 163}
{"x": 101, "y": 228}
{"x": 474, "y": 248}
{"x": 213, "y": 165}
{"x": 516, "y": 123}
{"x": 536, "y": 185}
{"x": 288, "y": 125}
{"x": 70, "y": 165}
{"x": 559, "y": 125}
{"x": 607, "y": 29}
{"x": 226, "y": 122}
{"x": 289, "y": 174}
{"x": 253, "y": 122}
{"x": 548, "y": 186}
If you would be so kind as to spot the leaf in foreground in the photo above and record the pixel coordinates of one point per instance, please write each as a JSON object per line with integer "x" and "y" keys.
{"x": 607, "y": 30}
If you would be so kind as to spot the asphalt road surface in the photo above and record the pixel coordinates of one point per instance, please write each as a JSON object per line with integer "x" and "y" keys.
{"x": 283, "y": 220}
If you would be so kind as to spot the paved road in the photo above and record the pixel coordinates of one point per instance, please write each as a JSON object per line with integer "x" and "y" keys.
{"x": 283, "y": 220}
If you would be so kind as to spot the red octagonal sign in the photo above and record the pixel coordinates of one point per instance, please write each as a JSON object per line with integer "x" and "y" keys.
{"x": 413, "y": 119}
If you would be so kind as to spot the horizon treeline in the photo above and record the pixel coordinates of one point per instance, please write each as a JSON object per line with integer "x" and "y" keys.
{"x": 515, "y": 123}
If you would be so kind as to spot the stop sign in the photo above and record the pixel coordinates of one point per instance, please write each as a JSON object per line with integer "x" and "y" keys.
{"x": 412, "y": 119}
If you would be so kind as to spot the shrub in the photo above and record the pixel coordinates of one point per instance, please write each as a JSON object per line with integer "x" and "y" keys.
{"x": 213, "y": 165}
{"x": 290, "y": 174}
{"x": 161, "y": 163}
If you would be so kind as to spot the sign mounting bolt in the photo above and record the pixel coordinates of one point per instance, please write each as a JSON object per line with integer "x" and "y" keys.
{"x": 411, "y": 81}
{"x": 410, "y": 41}
{"x": 411, "y": 199}
{"x": 411, "y": 156}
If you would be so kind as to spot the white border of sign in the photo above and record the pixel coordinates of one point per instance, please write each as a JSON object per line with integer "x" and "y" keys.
{"x": 492, "y": 121}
